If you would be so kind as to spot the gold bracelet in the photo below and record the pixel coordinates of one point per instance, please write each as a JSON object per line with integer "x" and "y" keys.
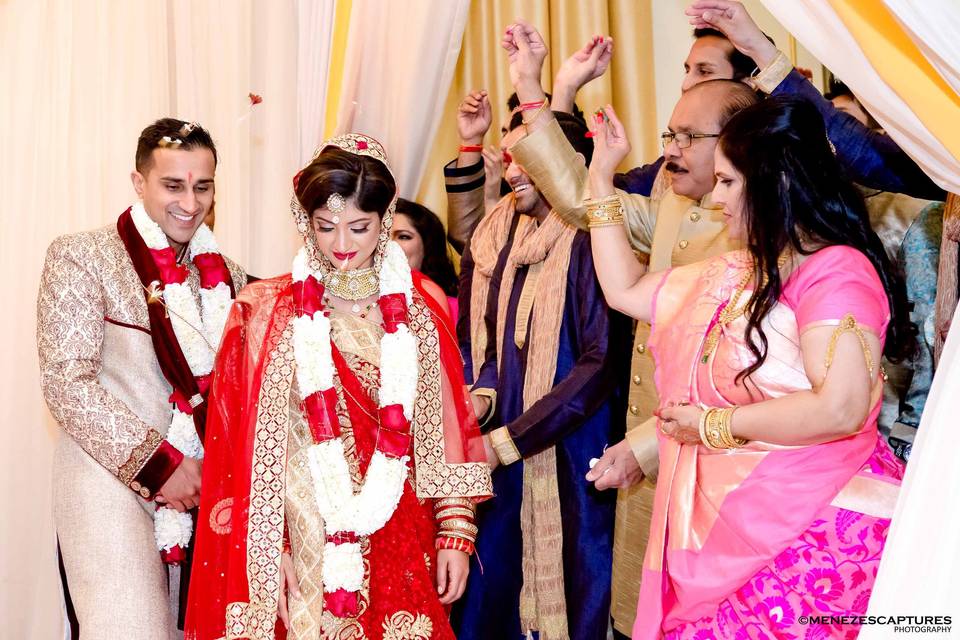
{"x": 604, "y": 213}
{"x": 706, "y": 439}
{"x": 715, "y": 429}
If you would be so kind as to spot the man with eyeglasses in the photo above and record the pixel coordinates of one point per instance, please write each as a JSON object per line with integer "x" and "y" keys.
{"x": 677, "y": 225}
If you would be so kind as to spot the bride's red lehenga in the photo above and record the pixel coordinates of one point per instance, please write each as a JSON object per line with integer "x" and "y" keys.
{"x": 257, "y": 495}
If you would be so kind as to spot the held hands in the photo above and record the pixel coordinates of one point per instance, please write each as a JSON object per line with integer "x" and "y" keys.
{"x": 289, "y": 586}
{"x": 585, "y": 65}
{"x": 733, "y": 20}
{"x": 493, "y": 460}
{"x": 181, "y": 491}
{"x": 680, "y": 422}
{"x": 617, "y": 468}
{"x": 610, "y": 147}
{"x": 452, "y": 569}
{"x": 474, "y": 116}
{"x": 526, "y": 51}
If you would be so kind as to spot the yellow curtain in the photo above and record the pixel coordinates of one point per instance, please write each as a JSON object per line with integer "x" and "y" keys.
{"x": 628, "y": 85}
{"x": 341, "y": 27}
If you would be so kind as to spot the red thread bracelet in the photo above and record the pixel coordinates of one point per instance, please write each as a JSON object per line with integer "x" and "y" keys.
{"x": 471, "y": 148}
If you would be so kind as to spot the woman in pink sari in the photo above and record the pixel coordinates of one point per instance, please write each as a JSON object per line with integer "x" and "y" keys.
{"x": 775, "y": 492}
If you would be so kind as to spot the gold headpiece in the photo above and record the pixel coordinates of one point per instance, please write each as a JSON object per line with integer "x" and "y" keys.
{"x": 361, "y": 145}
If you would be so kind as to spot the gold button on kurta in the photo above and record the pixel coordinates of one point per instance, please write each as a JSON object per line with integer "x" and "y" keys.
{"x": 683, "y": 244}
{"x": 641, "y": 348}
{"x": 636, "y": 379}
{"x": 695, "y": 216}
{"x": 634, "y": 409}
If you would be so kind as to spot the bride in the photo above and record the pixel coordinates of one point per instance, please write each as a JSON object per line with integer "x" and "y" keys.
{"x": 343, "y": 456}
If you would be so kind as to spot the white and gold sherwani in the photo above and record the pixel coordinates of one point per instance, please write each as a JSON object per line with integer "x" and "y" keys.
{"x": 104, "y": 386}
{"x": 673, "y": 231}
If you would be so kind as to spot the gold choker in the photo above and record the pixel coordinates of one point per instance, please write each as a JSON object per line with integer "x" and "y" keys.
{"x": 357, "y": 284}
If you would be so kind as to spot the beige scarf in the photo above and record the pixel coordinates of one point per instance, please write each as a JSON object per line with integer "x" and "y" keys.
{"x": 546, "y": 251}
{"x": 488, "y": 239}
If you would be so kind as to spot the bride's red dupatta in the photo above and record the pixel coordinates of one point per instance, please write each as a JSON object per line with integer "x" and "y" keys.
{"x": 235, "y": 582}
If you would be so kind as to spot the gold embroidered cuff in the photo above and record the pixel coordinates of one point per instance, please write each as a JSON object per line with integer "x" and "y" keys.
{"x": 770, "y": 77}
{"x": 503, "y": 444}
{"x": 642, "y": 440}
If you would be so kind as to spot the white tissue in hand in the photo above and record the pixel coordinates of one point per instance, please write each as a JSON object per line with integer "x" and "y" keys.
{"x": 593, "y": 462}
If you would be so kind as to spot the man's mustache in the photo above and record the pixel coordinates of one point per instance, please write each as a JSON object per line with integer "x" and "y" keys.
{"x": 673, "y": 167}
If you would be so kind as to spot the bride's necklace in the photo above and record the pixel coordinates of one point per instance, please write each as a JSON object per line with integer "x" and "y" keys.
{"x": 354, "y": 285}
{"x": 356, "y": 309}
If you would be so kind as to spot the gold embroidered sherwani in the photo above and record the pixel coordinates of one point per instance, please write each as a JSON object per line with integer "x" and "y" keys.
{"x": 674, "y": 231}
{"x": 104, "y": 386}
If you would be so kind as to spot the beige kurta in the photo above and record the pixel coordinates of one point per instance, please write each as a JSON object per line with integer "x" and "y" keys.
{"x": 104, "y": 386}
{"x": 674, "y": 231}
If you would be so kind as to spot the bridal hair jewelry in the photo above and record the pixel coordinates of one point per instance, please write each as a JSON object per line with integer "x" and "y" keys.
{"x": 188, "y": 128}
{"x": 335, "y": 205}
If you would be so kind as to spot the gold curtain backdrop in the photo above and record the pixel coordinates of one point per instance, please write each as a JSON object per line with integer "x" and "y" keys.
{"x": 566, "y": 26}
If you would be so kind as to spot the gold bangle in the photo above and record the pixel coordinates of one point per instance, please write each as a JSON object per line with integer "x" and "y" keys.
{"x": 715, "y": 429}
{"x": 605, "y": 212}
{"x": 707, "y": 441}
{"x": 726, "y": 427}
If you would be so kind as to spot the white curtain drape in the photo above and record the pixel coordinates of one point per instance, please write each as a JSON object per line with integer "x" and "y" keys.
{"x": 934, "y": 26}
{"x": 921, "y": 562}
{"x": 315, "y": 24}
{"x": 81, "y": 79}
{"x": 400, "y": 61}
{"x": 817, "y": 26}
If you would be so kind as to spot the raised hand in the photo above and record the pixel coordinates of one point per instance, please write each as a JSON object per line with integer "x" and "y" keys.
{"x": 735, "y": 22}
{"x": 493, "y": 173}
{"x": 526, "y": 51}
{"x": 610, "y": 147}
{"x": 586, "y": 64}
{"x": 474, "y": 117}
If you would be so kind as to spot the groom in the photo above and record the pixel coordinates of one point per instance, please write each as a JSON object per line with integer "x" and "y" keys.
{"x": 128, "y": 320}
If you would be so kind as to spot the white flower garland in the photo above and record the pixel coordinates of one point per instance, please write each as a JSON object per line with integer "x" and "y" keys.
{"x": 172, "y": 528}
{"x": 367, "y": 511}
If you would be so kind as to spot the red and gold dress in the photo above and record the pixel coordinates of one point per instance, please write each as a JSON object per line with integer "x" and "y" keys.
{"x": 257, "y": 489}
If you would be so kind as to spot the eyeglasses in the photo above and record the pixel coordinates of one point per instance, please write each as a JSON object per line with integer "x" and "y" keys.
{"x": 682, "y": 139}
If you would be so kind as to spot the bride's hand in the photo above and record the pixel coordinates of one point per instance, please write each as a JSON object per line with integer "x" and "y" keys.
{"x": 452, "y": 569}
{"x": 288, "y": 586}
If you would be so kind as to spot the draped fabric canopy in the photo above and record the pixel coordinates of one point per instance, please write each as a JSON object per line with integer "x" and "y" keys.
{"x": 863, "y": 43}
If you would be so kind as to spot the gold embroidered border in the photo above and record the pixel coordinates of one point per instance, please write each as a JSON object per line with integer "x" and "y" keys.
{"x": 435, "y": 477}
{"x": 266, "y": 515}
{"x": 139, "y": 456}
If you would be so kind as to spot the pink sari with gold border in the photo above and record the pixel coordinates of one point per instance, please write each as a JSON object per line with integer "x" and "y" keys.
{"x": 745, "y": 542}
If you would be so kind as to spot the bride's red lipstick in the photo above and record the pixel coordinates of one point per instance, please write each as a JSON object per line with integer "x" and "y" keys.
{"x": 344, "y": 256}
